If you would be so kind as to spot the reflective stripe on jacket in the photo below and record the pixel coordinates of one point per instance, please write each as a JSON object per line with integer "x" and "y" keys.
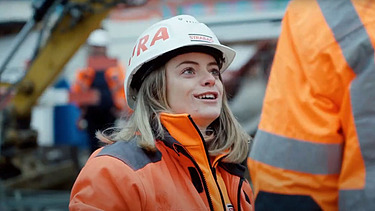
{"x": 315, "y": 148}
{"x": 178, "y": 176}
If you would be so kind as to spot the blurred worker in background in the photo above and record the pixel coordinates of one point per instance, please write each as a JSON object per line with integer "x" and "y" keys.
{"x": 98, "y": 88}
{"x": 182, "y": 148}
{"x": 315, "y": 147}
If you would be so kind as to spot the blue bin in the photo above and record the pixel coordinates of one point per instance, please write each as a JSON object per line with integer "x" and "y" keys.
{"x": 65, "y": 118}
{"x": 65, "y": 128}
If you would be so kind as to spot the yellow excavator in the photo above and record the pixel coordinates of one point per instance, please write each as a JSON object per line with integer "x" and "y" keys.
{"x": 63, "y": 26}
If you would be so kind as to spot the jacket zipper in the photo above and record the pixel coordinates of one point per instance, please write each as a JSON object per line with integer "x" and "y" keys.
{"x": 213, "y": 172}
{"x": 239, "y": 194}
{"x": 183, "y": 151}
{"x": 217, "y": 184}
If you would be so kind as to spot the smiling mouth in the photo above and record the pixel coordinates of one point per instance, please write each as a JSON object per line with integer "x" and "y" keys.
{"x": 207, "y": 96}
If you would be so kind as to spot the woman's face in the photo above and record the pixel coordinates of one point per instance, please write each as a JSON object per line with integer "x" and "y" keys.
{"x": 194, "y": 87}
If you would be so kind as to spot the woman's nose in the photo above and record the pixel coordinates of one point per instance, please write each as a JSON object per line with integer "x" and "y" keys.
{"x": 208, "y": 79}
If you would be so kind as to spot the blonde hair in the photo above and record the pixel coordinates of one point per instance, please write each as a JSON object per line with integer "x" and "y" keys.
{"x": 228, "y": 135}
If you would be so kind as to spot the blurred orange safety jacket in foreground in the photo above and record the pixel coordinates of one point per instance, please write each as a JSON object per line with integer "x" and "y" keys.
{"x": 315, "y": 148}
{"x": 180, "y": 175}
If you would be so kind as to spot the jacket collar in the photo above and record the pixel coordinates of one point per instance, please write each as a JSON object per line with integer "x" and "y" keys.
{"x": 183, "y": 136}
{"x": 182, "y": 128}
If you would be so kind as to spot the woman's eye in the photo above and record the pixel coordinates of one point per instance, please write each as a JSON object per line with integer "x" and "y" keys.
{"x": 188, "y": 71}
{"x": 215, "y": 72}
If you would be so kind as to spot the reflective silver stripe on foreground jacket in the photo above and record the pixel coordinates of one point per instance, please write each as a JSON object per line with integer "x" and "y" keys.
{"x": 358, "y": 51}
{"x": 296, "y": 155}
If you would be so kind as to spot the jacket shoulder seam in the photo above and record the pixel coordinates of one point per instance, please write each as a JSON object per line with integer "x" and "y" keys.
{"x": 131, "y": 154}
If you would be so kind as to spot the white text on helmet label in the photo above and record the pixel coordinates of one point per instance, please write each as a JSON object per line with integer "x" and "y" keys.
{"x": 143, "y": 44}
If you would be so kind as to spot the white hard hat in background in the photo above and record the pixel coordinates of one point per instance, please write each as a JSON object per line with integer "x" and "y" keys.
{"x": 178, "y": 32}
{"x": 99, "y": 37}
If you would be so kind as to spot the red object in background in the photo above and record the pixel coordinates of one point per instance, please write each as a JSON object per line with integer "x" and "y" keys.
{"x": 89, "y": 97}
{"x": 101, "y": 62}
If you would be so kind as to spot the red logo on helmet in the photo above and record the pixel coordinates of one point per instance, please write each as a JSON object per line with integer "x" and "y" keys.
{"x": 144, "y": 44}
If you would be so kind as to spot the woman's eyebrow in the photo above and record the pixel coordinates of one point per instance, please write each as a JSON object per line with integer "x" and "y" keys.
{"x": 187, "y": 62}
{"x": 212, "y": 63}
{"x": 195, "y": 63}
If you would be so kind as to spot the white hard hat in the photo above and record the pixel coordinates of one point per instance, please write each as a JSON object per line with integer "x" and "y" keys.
{"x": 99, "y": 37}
{"x": 167, "y": 37}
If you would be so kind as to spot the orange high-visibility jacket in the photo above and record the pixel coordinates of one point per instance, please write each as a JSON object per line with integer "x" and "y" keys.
{"x": 315, "y": 148}
{"x": 114, "y": 77}
{"x": 178, "y": 176}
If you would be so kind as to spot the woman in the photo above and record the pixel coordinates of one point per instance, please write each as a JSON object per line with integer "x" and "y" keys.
{"x": 182, "y": 147}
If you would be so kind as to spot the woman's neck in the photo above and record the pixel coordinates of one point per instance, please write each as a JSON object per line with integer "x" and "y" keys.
{"x": 207, "y": 133}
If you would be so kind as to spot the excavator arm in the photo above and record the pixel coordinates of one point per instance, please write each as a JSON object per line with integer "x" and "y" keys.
{"x": 78, "y": 20}
{"x": 67, "y": 24}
